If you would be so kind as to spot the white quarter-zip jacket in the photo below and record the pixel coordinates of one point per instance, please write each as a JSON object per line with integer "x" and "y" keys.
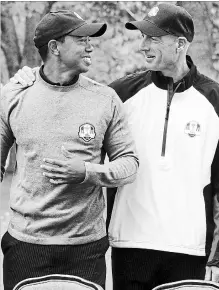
{"x": 169, "y": 207}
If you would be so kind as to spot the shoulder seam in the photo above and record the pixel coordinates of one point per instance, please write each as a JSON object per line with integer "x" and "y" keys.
{"x": 98, "y": 92}
{"x": 93, "y": 81}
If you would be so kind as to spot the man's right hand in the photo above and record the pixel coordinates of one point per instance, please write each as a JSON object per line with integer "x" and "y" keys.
{"x": 25, "y": 76}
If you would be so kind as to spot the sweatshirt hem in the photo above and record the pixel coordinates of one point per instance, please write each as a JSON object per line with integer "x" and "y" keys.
{"x": 199, "y": 251}
{"x": 56, "y": 240}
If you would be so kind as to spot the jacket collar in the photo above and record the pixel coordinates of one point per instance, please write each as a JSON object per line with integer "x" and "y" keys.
{"x": 186, "y": 82}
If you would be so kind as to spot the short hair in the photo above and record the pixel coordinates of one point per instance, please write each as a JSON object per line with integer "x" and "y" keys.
{"x": 43, "y": 50}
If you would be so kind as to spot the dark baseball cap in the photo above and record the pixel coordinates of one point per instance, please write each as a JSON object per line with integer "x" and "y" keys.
{"x": 165, "y": 19}
{"x": 59, "y": 23}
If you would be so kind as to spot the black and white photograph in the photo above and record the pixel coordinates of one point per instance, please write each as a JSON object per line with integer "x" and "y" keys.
{"x": 109, "y": 115}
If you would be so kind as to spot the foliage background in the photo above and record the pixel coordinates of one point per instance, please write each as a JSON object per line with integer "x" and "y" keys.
{"x": 116, "y": 53}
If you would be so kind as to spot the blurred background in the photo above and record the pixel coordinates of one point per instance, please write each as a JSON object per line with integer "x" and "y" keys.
{"x": 115, "y": 53}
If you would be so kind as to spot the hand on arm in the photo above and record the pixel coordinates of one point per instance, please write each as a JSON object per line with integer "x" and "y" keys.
{"x": 25, "y": 76}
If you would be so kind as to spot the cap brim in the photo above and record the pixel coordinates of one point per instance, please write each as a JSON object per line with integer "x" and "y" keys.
{"x": 90, "y": 29}
{"x": 146, "y": 27}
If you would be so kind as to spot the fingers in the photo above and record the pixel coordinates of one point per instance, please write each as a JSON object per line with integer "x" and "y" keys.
{"x": 19, "y": 79}
{"x": 22, "y": 78}
{"x": 55, "y": 178}
{"x": 53, "y": 175}
{"x": 57, "y": 181}
{"x": 215, "y": 277}
{"x": 30, "y": 73}
{"x": 208, "y": 274}
{"x": 215, "y": 274}
{"x": 52, "y": 169}
{"x": 66, "y": 153}
{"x": 13, "y": 80}
{"x": 212, "y": 274}
{"x": 54, "y": 161}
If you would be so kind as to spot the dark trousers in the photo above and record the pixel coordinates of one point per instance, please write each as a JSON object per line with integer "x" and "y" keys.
{"x": 24, "y": 260}
{"x": 141, "y": 269}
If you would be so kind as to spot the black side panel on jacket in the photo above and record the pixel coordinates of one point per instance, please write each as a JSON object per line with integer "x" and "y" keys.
{"x": 208, "y": 197}
{"x": 210, "y": 89}
{"x": 128, "y": 86}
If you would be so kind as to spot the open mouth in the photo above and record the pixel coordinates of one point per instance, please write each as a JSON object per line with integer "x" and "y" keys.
{"x": 150, "y": 57}
{"x": 87, "y": 60}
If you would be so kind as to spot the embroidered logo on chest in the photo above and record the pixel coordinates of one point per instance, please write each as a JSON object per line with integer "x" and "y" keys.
{"x": 87, "y": 132}
{"x": 193, "y": 129}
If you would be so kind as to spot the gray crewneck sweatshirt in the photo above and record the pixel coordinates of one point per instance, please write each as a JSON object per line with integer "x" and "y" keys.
{"x": 86, "y": 118}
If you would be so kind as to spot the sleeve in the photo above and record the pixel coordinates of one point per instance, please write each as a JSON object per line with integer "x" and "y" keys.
{"x": 7, "y": 138}
{"x": 210, "y": 90}
{"x": 214, "y": 255}
{"x": 119, "y": 146}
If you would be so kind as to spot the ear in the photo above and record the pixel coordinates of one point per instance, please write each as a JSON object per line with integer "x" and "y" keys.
{"x": 182, "y": 41}
{"x": 53, "y": 47}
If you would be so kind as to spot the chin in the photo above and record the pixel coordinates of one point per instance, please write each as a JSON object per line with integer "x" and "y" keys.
{"x": 151, "y": 67}
{"x": 84, "y": 69}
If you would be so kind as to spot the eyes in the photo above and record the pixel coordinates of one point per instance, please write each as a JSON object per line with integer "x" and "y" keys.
{"x": 152, "y": 38}
{"x": 84, "y": 40}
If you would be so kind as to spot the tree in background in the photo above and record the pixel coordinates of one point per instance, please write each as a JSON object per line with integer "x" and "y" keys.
{"x": 205, "y": 47}
{"x": 116, "y": 53}
{"x": 18, "y": 21}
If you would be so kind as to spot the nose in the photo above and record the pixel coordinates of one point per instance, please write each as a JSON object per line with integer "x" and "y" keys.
{"x": 89, "y": 47}
{"x": 145, "y": 44}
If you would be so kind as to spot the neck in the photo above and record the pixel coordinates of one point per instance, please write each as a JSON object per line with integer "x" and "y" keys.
{"x": 177, "y": 71}
{"x": 57, "y": 74}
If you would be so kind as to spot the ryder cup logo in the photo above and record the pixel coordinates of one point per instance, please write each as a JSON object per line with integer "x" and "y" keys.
{"x": 193, "y": 129}
{"x": 86, "y": 132}
{"x": 153, "y": 11}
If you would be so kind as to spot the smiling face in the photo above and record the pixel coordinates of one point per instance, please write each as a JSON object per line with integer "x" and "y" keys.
{"x": 75, "y": 53}
{"x": 160, "y": 52}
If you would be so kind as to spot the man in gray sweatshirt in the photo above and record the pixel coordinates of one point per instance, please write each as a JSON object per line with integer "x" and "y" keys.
{"x": 63, "y": 126}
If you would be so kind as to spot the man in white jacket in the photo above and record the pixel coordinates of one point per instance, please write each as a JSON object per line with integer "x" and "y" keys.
{"x": 162, "y": 225}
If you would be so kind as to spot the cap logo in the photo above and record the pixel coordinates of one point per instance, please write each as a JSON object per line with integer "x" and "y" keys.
{"x": 153, "y": 11}
{"x": 78, "y": 16}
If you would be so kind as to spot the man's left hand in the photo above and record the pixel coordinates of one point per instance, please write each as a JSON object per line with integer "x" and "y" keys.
{"x": 212, "y": 274}
{"x": 67, "y": 171}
